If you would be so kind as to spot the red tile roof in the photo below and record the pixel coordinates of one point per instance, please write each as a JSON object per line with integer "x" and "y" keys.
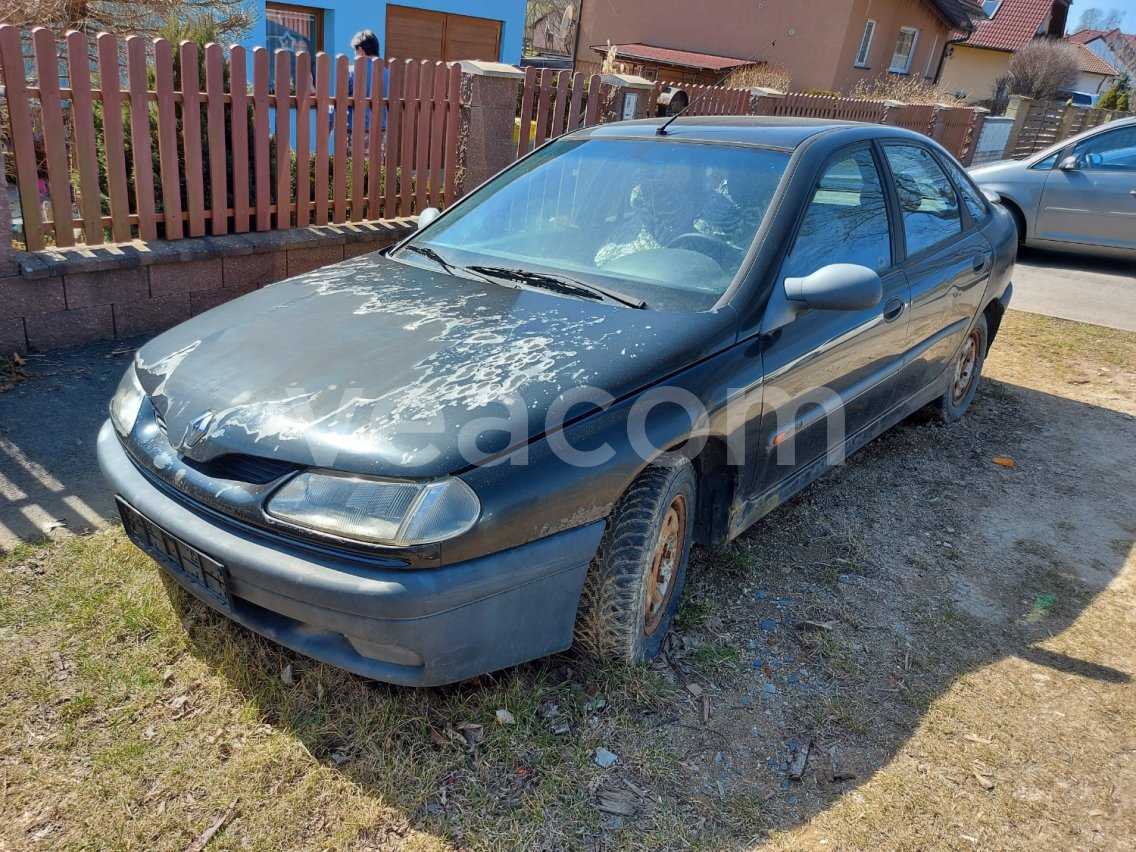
{"x": 666, "y": 56}
{"x": 1014, "y": 25}
{"x": 1093, "y": 64}
{"x": 1085, "y": 36}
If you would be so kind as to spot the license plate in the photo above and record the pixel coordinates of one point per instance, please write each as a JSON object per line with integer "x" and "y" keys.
{"x": 206, "y": 575}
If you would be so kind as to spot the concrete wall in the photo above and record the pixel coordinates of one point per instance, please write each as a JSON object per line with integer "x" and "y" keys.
{"x": 817, "y": 40}
{"x": 344, "y": 18}
{"x": 973, "y": 71}
{"x": 68, "y": 297}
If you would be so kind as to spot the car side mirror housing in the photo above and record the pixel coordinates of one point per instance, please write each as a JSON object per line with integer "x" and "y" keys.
{"x": 1069, "y": 164}
{"x": 837, "y": 287}
{"x": 427, "y": 216}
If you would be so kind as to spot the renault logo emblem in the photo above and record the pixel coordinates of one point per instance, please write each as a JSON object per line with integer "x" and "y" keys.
{"x": 198, "y": 427}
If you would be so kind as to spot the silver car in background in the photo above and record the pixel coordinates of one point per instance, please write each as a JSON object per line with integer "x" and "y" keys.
{"x": 1078, "y": 195}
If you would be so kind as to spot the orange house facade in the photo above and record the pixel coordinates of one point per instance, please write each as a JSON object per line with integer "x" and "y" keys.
{"x": 825, "y": 44}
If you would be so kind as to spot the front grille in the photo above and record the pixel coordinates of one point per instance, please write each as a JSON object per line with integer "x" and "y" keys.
{"x": 241, "y": 468}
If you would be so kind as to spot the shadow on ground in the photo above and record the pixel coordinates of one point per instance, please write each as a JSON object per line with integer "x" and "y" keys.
{"x": 837, "y": 621}
{"x": 49, "y": 479}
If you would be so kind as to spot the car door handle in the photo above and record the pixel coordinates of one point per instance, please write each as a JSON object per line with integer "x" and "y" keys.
{"x": 1133, "y": 193}
{"x": 893, "y": 309}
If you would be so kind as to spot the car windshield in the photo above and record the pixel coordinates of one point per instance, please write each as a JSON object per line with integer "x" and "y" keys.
{"x": 661, "y": 222}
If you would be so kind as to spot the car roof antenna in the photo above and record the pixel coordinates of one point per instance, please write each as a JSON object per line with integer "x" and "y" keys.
{"x": 662, "y": 131}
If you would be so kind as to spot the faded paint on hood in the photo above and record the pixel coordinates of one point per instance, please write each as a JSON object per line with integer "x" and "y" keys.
{"x": 374, "y": 366}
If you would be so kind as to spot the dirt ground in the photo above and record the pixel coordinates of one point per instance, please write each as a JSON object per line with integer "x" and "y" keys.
{"x": 948, "y": 622}
{"x": 931, "y": 647}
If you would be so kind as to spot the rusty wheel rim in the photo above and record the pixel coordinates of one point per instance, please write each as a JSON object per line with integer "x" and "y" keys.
{"x": 665, "y": 561}
{"x": 965, "y": 368}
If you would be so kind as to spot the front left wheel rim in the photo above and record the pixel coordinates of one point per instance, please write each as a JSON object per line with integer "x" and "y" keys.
{"x": 665, "y": 561}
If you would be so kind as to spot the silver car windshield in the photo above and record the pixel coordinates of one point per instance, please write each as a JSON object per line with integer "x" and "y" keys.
{"x": 665, "y": 222}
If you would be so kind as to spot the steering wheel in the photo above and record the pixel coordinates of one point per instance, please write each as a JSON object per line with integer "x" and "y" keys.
{"x": 705, "y": 244}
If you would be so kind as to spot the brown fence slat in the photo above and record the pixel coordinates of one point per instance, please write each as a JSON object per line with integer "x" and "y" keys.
{"x": 406, "y": 152}
{"x": 526, "y": 111}
{"x": 339, "y": 162}
{"x": 191, "y": 137}
{"x": 560, "y": 102}
{"x": 282, "y": 103}
{"x": 575, "y": 114}
{"x": 215, "y": 134}
{"x": 167, "y": 138}
{"x": 595, "y": 98}
{"x": 358, "y": 136}
{"x": 239, "y": 124}
{"x": 110, "y": 86}
{"x": 394, "y": 129}
{"x": 323, "y": 130}
{"x": 437, "y": 133}
{"x": 453, "y": 120}
{"x": 542, "y": 106}
{"x": 140, "y": 147}
{"x": 374, "y": 142}
{"x": 422, "y": 153}
{"x": 84, "y": 149}
{"x": 262, "y": 182}
{"x": 303, "y": 139}
{"x": 23, "y": 144}
{"x": 54, "y": 136}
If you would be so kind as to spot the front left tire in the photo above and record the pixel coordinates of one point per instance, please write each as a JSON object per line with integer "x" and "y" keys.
{"x": 634, "y": 584}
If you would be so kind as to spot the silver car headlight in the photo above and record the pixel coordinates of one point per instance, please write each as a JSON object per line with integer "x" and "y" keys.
{"x": 127, "y": 402}
{"x": 376, "y": 510}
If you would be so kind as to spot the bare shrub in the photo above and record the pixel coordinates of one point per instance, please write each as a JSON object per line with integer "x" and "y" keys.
{"x": 760, "y": 75}
{"x": 903, "y": 88}
{"x": 1044, "y": 69}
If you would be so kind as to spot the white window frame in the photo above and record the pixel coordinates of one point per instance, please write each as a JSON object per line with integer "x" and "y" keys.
{"x": 865, "y": 44}
{"x": 905, "y": 68}
{"x": 990, "y": 13}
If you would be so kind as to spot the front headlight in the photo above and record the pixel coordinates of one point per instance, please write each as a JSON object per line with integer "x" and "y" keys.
{"x": 127, "y": 401}
{"x": 379, "y": 511}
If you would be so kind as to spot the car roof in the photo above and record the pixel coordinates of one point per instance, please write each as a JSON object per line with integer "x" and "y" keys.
{"x": 787, "y": 133}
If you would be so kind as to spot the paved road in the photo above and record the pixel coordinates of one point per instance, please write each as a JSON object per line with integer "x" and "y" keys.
{"x": 1100, "y": 291}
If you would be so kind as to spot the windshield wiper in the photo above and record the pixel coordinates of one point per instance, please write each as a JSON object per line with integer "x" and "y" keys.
{"x": 452, "y": 268}
{"x": 560, "y": 284}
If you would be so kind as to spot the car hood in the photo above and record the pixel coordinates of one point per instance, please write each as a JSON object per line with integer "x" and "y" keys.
{"x": 1000, "y": 169}
{"x": 373, "y": 366}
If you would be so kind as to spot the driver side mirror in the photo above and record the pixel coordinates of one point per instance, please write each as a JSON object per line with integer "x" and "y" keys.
{"x": 836, "y": 287}
{"x": 1069, "y": 164}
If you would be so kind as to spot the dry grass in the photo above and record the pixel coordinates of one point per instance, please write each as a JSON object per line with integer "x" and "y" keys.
{"x": 966, "y": 646}
{"x": 907, "y": 89}
{"x": 761, "y": 75}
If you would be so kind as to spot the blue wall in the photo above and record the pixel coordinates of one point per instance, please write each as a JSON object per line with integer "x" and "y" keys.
{"x": 343, "y": 18}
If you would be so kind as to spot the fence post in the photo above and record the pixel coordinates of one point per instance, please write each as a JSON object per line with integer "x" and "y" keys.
{"x": 764, "y": 101}
{"x": 1017, "y": 110}
{"x": 488, "y": 115}
{"x": 629, "y": 96}
{"x": 891, "y": 112}
{"x": 973, "y": 134}
{"x": 12, "y": 335}
{"x": 1065, "y": 127}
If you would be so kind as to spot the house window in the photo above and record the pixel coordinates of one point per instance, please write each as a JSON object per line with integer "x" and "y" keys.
{"x": 904, "y": 50}
{"x": 990, "y": 7}
{"x": 865, "y": 43}
{"x": 294, "y": 29}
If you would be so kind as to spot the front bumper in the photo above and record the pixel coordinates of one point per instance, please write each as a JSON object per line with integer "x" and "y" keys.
{"x": 415, "y": 627}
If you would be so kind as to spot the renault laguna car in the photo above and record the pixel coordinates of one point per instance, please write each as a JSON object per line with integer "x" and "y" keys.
{"x": 503, "y": 434}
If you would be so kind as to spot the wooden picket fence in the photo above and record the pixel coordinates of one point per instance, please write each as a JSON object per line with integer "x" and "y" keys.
{"x": 554, "y": 102}
{"x": 137, "y": 147}
{"x": 710, "y": 100}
